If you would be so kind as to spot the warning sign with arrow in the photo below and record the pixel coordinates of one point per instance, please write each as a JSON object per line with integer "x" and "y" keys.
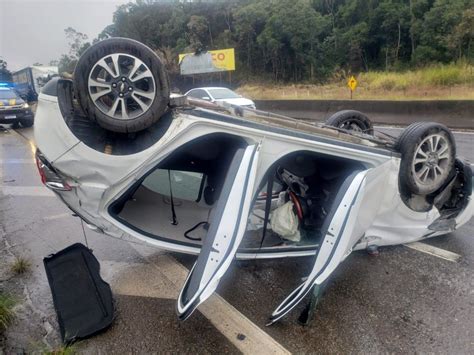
{"x": 352, "y": 83}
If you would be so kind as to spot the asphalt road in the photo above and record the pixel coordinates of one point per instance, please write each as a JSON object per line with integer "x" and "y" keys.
{"x": 402, "y": 301}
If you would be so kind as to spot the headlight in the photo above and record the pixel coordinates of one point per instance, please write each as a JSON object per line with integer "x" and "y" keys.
{"x": 25, "y": 105}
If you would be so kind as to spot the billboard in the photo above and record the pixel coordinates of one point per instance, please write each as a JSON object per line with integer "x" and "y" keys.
{"x": 207, "y": 62}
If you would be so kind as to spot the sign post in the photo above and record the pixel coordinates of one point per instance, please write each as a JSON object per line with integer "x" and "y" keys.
{"x": 352, "y": 83}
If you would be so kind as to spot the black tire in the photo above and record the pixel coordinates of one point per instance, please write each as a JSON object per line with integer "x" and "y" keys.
{"x": 27, "y": 122}
{"x": 351, "y": 120}
{"x": 428, "y": 155}
{"x": 125, "y": 85}
{"x": 16, "y": 124}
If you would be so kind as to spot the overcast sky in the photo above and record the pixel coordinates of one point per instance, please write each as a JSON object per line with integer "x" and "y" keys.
{"x": 33, "y": 30}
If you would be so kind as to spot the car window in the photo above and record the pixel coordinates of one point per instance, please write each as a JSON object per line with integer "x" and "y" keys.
{"x": 198, "y": 94}
{"x": 185, "y": 184}
{"x": 223, "y": 93}
{"x": 6, "y": 94}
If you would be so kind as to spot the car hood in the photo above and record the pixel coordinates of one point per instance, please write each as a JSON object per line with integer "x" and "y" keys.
{"x": 11, "y": 102}
{"x": 240, "y": 101}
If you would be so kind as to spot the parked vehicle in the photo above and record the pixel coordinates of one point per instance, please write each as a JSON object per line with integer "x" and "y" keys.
{"x": 194, "y": 178}
{"x": 29, "y": 81}
{"x": 13, "y": 110}
{"x": 220, "y": 95}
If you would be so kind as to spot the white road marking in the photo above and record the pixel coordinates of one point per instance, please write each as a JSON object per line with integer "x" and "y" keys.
{"x": 32, "y": 191}
{"x": 431, "y": 250}
{"x": 228, "y": 320}
{"x": 57, "y": 216}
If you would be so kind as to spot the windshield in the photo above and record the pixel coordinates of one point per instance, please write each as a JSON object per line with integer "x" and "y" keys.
{"x": 223, "y": 93}
{"x": 7, "y": 94}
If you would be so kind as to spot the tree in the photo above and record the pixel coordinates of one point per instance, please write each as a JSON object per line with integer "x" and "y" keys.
{"x": 295, "y": 40}
{"x": 5, "y": 74}
{"x": 462, "y": 38}
{"x": 77, "y": 46}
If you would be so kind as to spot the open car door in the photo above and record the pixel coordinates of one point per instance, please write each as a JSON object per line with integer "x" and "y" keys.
{"x": 340, "y": 230}
{"x": 228, "y": 222}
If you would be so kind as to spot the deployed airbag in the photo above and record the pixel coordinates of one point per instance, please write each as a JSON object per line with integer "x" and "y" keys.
{"x": 284, "y": 222}
{"x": 82, "y": 300}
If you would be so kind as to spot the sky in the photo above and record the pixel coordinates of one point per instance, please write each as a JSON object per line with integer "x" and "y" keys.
{"x": 32, "y": 31}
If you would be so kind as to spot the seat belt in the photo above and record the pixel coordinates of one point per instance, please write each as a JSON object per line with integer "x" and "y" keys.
{"x": 268, "y": 205}
{"x": 173, "y": 212}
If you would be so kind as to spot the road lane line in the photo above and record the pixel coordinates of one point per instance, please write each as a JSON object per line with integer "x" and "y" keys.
{"x": 31, "y": 191}
{"x": 57, "y": 216}
{"x": 431, "y": 250}
{"x": 225, "y": 318}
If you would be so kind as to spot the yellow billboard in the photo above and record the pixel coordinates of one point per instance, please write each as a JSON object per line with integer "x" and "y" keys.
{"x": 207, "y": 62}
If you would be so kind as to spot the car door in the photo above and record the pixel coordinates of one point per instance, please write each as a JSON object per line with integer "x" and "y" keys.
{"x": 199, "y": 94}
{"x": 343, "y": 227}
{"x": 228, "y": 222}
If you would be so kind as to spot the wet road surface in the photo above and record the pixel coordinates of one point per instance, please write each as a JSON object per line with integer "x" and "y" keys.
{"x": 403, "y": 300}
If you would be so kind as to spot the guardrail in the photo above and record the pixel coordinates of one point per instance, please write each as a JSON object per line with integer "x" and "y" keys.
{"x": 453, "y": 113}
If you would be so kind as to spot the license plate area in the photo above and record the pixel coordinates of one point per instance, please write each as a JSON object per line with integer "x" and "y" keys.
{"x": 10, "y": 117}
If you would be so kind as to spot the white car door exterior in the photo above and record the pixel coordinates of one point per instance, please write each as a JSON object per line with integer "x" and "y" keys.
{"x": 228, "y": 222}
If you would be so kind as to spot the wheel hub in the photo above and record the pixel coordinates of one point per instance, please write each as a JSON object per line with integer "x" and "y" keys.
{"x": 431, "y": 160}
{"x": 121, "y": 86}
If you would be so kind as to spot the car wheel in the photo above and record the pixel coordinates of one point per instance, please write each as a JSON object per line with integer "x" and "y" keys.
{"x": 428, "y": 155}
{"x": 122, "y": 84}
{"x": 16, "y": 125}
{"x": 351, "y": 120}
{"x": 28, "y": 122}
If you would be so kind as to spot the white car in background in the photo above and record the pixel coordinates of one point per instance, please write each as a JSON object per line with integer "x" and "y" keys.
{"x": 220, "y": 96}
{"x": 192, "y": 177}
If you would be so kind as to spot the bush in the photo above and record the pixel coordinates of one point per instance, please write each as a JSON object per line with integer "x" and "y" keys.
{"x": 445, "y": 75}
{"x": 21, "y": 265}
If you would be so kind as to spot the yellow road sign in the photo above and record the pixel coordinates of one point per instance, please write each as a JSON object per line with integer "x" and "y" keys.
{"x": 352, "y": 83}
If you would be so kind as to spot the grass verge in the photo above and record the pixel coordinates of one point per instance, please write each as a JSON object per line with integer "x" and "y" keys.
{"x": 438, "y": 82}
{"x": 6, "y": 311}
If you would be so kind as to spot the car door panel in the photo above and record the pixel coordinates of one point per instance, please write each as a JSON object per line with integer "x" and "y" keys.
{"x": 337, "y": 243}
{"x": 227, "y": 226}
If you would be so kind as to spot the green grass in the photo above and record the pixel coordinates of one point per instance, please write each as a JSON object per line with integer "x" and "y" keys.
{"x": 435, "y": 82}
{"x": 64, "y": 350}
{"x": 6, "y": 311}
{"x": 432, "y": 76}
{"x": 21, "y": 265}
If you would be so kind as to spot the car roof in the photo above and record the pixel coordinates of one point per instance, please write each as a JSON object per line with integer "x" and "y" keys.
{"x": 211, "y": 87}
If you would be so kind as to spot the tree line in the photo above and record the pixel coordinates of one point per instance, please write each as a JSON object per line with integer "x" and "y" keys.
{"x": 299, "y": 40}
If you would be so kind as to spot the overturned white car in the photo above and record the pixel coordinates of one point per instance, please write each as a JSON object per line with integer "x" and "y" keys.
{"x": 193, "y": 177}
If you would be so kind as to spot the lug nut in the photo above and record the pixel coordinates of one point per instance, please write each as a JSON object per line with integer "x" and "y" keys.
{"x": 130, "y": 88}
{"x": 123, "y": 79}
{"x": 121, "y": 94}
{"x": 114, "y": 85}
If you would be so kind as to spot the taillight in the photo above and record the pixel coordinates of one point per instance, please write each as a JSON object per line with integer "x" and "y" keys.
{"x": 48, "y": 174}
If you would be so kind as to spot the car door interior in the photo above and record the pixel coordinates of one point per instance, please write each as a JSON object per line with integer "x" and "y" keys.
{"x": 227, "y": 226}
{"x": 337, "y": 232}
